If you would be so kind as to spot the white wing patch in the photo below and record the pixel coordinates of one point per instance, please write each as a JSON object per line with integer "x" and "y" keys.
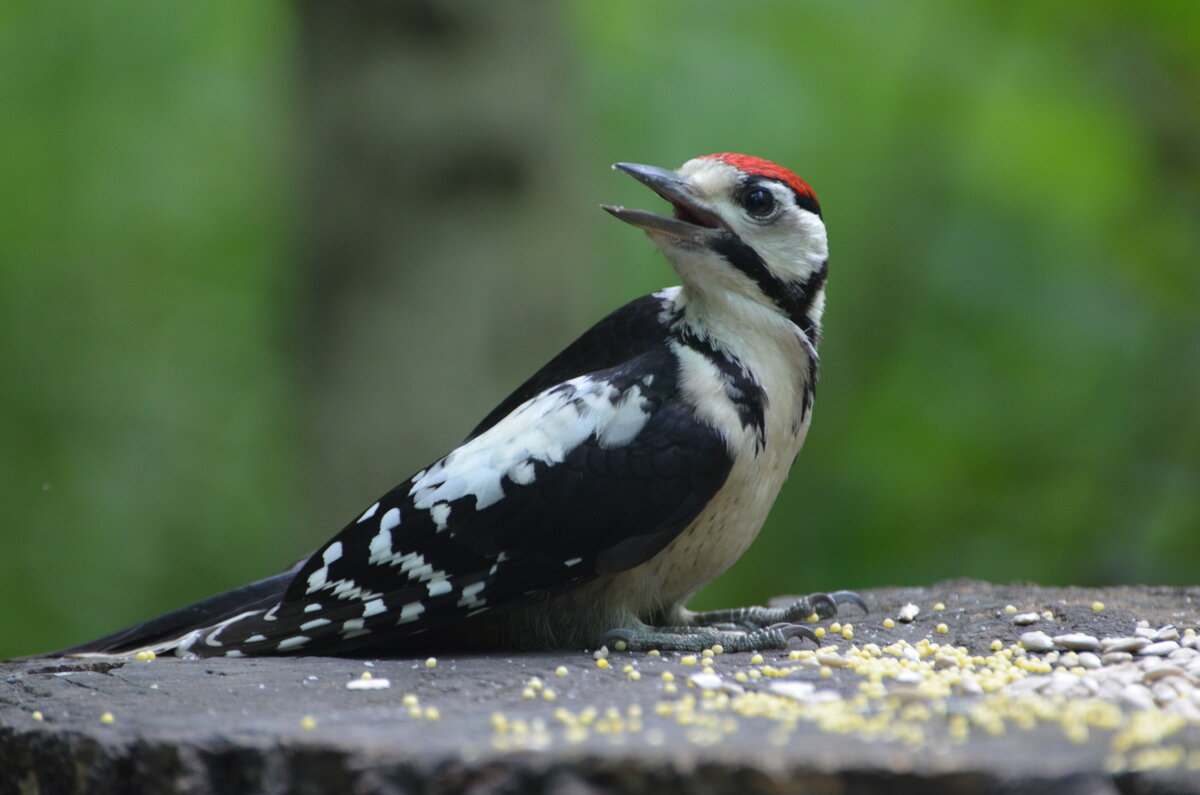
{"x": 543, "y": 429}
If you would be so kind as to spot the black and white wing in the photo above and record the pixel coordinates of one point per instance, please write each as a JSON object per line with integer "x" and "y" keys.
{"x": 592, "y": 476}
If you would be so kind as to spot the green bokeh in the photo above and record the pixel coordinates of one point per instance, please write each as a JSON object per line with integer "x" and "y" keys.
{"x": 1011, "y": 370}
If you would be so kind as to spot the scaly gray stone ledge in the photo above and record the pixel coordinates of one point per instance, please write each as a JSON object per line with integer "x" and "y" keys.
{"x": 476, "y": 723}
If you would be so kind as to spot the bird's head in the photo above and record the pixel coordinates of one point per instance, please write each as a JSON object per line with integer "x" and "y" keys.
{"x": 742, "y": 226}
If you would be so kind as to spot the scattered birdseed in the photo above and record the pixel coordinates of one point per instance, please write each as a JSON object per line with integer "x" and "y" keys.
{"x": 718, "y": 648}
{"x": 37, "y": 715}
{"x": 1009, "y": 609}
{"x": 410, "y": 700}
{"x": 942, "y": 629}
{"x": 368, "y": 683}
{"x": 1167, "y": 633}
{"x": 1130, "y": 644}
{"x": 1097, "y": 606}
{"x": 1077, "y": 641}
{"x": 705, "y": 681}
{"x": 602, "y": 663}
{"x": 888, "y": 623}
{"x": 107, "y": 717}
{"x": 308, "y": 723}
{"x": 939, "y": 606}
{"x": 908, "y": 613}
{"x": 528, "y": 694}
{"x": 433, "y": 713}
{"x": 620, "y": 645}
{"x": 688, "y": 659}
{"x": 549, "y": 695}
{"x": 431, "y": 662}
{"x": 560, "y": 670}
{"x": 756, "y": 659}
{"x": 144, "y": 656}
{"x": 1025, "y": 619}
{"x": 1036, "y": 641}
{"x": 1160, "y": 649}
{"x": 819, "y": 632}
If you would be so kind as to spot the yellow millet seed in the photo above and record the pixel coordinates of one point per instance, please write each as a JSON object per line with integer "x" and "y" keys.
{"x": 670, "y": 688}
{"x": 1009, "y": 609}
{"x": 37, "y": 715}
{"x": 813, "y": 618}
{"x": 835, "y": 627}
{"x": 819, "y": 632}
{"x": 654, "y": 653}
{"x": 888, "y": 623}
{"x": 560, "y": 670}
{"x": 409, "y": 700}
{"x": 528, "y": 694}
{"x": 365, "y": 675}
{"x": 942, "y": 629}
{"x": 939, "y": 606}
{"x": 718, "y": 648}
{"x": 635, "y": 675}
{"x": 1097, "y": 606}
{"x": 431, "y": 662}
{"x": 826, "y": 671}
{"x": 432, "y": 713}
{"x": 688, "y": 659}
{"x": 602, "y": 663}
{"x": 549, "y": 694}
{"x": 107, "y": 717}
{"x": 707, "y": 653}
{"x": 667, "y": 676}
{"x": 847, "y": 633}
{"x": 308, "y": 723}
{"x": 628, "y": 667}
{"x": 996, "y": 645}
{"x": 756, "y": 659}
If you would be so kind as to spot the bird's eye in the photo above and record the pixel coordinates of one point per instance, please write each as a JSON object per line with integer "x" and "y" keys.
{"x": 759, "y": 202}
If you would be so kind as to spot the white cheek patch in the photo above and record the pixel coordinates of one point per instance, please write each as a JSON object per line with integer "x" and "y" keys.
{"x": 544, "y": 429}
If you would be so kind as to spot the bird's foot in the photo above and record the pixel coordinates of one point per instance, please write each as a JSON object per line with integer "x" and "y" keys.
{"x": 775, "y": 636}
{"x": 822, "y": 605}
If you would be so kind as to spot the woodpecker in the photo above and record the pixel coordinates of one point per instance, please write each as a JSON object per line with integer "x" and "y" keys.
{"x": 630, "y": 471}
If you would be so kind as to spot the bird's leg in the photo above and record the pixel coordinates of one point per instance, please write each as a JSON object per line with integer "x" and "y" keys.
{"x": 740, "y": 629}
{"x": 699, "y": 638}
{"x": 823, "y": 605}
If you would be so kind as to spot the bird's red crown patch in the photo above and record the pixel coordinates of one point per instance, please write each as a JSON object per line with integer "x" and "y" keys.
{"x": 765, "y": 168}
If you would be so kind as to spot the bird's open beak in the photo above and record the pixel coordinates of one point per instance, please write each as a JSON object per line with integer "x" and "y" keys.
{"x": 691, "y": 221}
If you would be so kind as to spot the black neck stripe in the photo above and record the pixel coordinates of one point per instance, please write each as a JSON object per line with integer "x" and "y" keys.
{"x": 746, "y": 394}
{"x": 794, "y": 298}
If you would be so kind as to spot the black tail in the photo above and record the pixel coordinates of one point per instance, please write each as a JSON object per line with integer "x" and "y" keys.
{"x": 255, "y": 596}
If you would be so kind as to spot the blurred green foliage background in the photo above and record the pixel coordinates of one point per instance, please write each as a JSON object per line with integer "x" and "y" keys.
{"x": 1011, "y": 370}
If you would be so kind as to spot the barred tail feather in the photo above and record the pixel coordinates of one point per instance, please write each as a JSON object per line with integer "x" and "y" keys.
{"x": 173, "y": 630}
